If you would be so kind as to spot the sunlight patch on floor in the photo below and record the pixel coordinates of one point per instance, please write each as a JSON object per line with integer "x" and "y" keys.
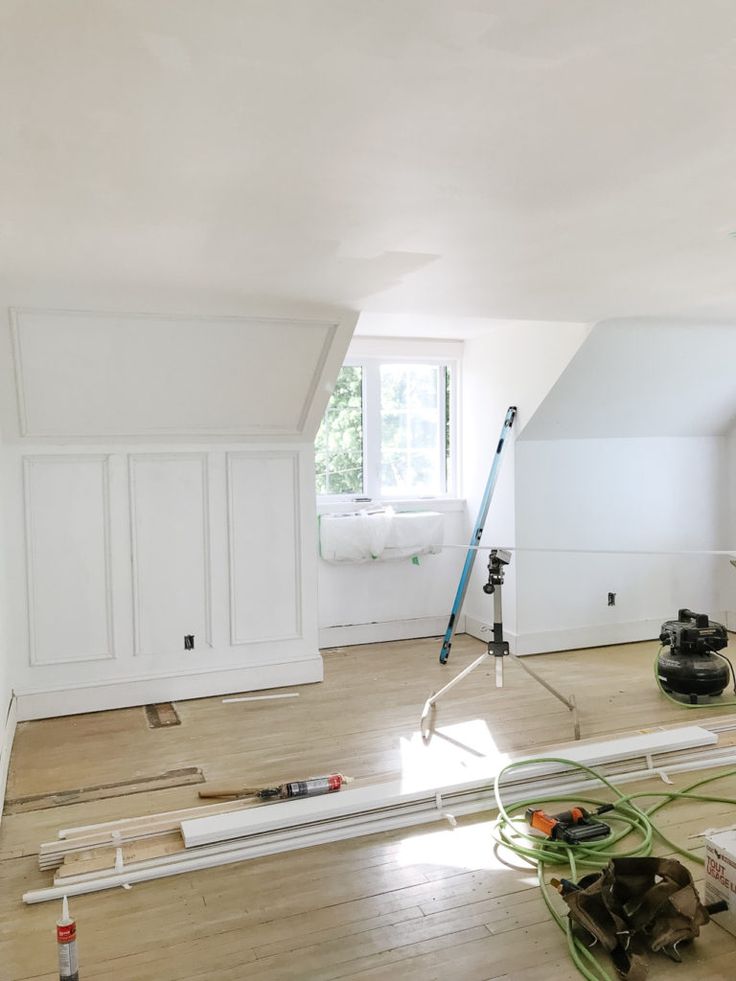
{"x": 470, "y": 847}
{"x": 453, "y": 754}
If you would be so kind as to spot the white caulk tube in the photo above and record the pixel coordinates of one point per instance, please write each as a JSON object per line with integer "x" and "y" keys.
{"x": 66, "y": 944}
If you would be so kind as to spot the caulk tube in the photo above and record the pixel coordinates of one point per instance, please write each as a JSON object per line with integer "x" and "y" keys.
{"x": 313, "y": 786}
{"x": 66, "y": 944}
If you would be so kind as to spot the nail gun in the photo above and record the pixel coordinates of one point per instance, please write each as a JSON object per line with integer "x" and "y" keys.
{"x": 570, "y": 827}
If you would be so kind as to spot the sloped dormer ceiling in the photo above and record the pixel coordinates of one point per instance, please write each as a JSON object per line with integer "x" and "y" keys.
{"x": 643, "y": 378}
{"x": 88, "y": 374}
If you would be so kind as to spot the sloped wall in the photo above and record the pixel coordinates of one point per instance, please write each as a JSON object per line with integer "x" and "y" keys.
{"x": 643, "y": 377}
{"x": 514, "y": 364}
{"x": 158, "y": 481}
{"x": 616, "y": 495}
{"x": 627, "y": 452}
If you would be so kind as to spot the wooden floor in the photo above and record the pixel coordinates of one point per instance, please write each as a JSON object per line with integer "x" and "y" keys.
{"x": 423, "y": 904}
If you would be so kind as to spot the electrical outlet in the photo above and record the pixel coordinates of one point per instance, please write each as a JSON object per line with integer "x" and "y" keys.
{"x": 611, "y": 599}
{"x": 188, "y": 642}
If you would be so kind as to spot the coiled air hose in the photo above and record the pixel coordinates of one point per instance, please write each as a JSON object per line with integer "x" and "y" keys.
{"x": 628, "y": 819}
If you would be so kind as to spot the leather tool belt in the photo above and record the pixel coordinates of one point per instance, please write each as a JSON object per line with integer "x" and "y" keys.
{"x": 637, "y": 905}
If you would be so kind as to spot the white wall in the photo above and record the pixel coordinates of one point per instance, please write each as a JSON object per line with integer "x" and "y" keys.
{"x": 618, "y": 494}
{"x": 727, "y": 573}
{"x": 628, "y": 451}
{"x": 392, "y": 600}
{"x": 8, "y": 708}
{"x": 513, "y": 364}
{"x": 5, "y": 667}
{"x": 127, "y": 529}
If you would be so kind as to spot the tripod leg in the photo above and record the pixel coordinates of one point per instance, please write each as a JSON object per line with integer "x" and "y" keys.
{"x": 431, "y": 701}
{"x": 575, "y": 717}
{"x": 569, "y": 703}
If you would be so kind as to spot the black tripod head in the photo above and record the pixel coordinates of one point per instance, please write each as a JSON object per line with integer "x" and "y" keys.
{"x": 498, "y": 558}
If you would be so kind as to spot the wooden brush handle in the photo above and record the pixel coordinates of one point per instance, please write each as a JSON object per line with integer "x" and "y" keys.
{"x": 227, "y": 792}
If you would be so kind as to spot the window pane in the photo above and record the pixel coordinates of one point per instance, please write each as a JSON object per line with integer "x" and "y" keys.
{"x": 339, "y": 443}
{"x": 412, "y": 430}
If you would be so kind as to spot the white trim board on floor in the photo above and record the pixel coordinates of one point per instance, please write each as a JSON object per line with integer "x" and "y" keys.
{"x": 426, "y": 812}
{"x": 385, "y": 796}
{"x": 6, "y": 747}
{"x": 426, "y": 807}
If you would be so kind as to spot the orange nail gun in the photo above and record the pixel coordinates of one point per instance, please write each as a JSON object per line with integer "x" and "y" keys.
{"x": 571, "y": 827}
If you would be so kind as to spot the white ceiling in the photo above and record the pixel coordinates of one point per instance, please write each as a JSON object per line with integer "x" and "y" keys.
{"x": 432, "y": 326}
{"x": 643, "y": 379}
{"x": 567, "y": 160}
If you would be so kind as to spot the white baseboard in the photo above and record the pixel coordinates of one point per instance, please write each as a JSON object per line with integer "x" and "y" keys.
{"x": 49, "y": 703}
{"x": 375, "y": 633}
{"x": 596, "y": 635}
{"x": 483, "y": 630}
{"x": 6, "y": 747}
{"x": 573, "y": 638}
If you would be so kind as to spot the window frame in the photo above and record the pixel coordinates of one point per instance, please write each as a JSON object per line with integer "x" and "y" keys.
{"x": 370, "y": 366}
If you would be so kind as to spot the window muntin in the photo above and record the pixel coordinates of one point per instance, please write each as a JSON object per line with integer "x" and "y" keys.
{"x": 386, "y": 432}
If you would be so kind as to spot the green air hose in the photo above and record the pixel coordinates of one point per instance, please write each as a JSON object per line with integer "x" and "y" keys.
{"x": 688, "y": 705}
{"x": 627, "y": 819}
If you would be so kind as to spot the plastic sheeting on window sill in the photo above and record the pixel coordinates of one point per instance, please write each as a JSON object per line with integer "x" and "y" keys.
{"x": 379, "y": 534}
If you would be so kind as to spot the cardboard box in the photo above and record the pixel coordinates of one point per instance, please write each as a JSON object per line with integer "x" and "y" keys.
{"x": 720, "y": 875}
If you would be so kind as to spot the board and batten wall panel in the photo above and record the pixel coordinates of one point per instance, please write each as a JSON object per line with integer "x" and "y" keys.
{"x": 264, "y": 537}
{"x": 81, "y": 374}
{"x": 135, "y": 538}
{"x": 170, "y": 551}
{"x": 68, "y": 559}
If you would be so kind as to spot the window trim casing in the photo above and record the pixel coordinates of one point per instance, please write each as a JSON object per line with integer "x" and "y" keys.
{"x": 370, "y": 387}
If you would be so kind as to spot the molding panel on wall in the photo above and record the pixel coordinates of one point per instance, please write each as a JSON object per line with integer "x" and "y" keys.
{"x": 67, "y": 515}
{"x": 264, "y": 543}
{"x": 82, "y": 374}
{"x": 170, "y": 547}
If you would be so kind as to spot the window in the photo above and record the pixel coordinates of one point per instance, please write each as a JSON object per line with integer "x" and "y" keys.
{"x": 339, "y": 445}
{"x": 387, "y": 431}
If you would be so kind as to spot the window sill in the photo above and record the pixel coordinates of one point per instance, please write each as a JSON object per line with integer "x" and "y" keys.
{"x": 444, "y": 505}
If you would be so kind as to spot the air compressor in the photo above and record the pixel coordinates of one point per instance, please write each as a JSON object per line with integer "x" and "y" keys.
{"x": 689, "y": 662}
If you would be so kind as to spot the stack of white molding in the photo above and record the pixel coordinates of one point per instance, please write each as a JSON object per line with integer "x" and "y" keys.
{"x": 120, "y": 853}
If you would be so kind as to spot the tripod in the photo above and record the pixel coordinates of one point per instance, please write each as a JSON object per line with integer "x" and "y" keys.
{"x": 498, "y": 648}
